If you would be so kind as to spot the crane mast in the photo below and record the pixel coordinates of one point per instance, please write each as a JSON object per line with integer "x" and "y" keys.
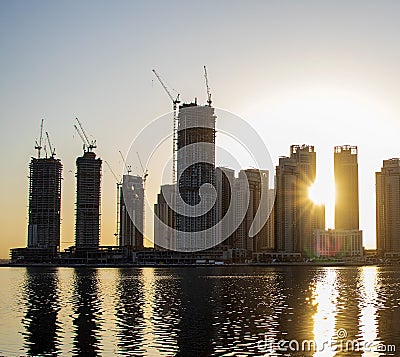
{"x": 175, "y": 103}
{"x": 119, "y": 184}
{"x": 38, "y": 145}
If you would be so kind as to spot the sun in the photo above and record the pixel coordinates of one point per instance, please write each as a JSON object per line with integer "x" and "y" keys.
{"x": 317, "y": 194}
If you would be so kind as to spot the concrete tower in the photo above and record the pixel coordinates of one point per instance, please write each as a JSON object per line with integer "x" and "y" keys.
{"x": 131, "y": 212}
{"x": 164, "y": 238}
{"x": 44, "y": 203}
{"x": 296, "y": 216}
{"x": 346, "y": 186}
{"x": 388, "y": 208}
{"x": 195, "y": 167}
{"x": 88, "y": 194}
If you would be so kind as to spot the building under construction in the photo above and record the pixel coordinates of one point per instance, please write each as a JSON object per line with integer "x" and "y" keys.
{"x": 44, "y": 208}
{"x": 88, "y": 195}
{"x": 131, "y": 213}
{"x": 44, "y": 203}
{"x": 196, "y": 167}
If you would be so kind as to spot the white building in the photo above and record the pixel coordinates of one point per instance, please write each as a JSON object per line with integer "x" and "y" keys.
{"x": 338, "y": 243}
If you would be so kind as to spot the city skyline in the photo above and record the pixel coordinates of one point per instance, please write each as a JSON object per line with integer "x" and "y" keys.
{"x": 299, "y": 221}
{"x": 334, "y": 86}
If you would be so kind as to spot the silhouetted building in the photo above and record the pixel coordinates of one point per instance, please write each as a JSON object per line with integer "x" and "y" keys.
{"x": 131, "y": 212}
{"x": 195, "y": 168}
{"x": 224, "y": 217}
{"x": 165, "y": 217}
{"x": 296, "y": 216}
{"x": 251, "y": 205}
{"x": 44, "y": 203}
{"x": 88, "y": 195}
{"x": 388, "y": 208}
{"x": 254, "y": 181}
{"x": 266, "y": 241}
{"x": 346, "y": 187}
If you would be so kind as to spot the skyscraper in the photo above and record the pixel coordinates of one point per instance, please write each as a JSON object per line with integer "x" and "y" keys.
{"x": 195, "y": 169}
{"x": 164, "y": 237}
{"x": 388, "y": 208}
{"x": 251, "y": 205}
{"x": 346, "y": 186}
{"x": 44, "y": 203}
{"x": 224, "y": 218}
{"x": 296, "y": 216}
{"x": 88, "y": 194}
{"x": 131, "y": 212}
{"x": 257, "y": 180}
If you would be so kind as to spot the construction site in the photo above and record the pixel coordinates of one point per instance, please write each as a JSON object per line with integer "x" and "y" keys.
{"x": 193, "y": 128}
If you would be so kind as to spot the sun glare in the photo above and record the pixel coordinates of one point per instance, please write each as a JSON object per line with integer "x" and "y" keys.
{"x": 317, "y": 194}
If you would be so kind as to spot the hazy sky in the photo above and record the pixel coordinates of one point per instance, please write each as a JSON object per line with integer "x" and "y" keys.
{"x": 323, "y": 73}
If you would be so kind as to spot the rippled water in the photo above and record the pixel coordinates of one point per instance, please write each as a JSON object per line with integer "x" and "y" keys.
{"x": 200, "y": 311}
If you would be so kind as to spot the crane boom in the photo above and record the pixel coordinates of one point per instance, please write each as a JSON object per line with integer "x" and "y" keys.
{"x": 90, "y": 145}
{"x": 128, "y": 167}
{"x": 83, "y": 132}
{"x": 82, "y": 138}
{"x": 38, "y": 145}
{"x": 209, "y": 101}
{"x": 145, "y": 173}
{"x": 163, "y": 85}
{"x": 112, "y": 171}
{"x": 52, "y": 151}
{"x": 175, "y": 103}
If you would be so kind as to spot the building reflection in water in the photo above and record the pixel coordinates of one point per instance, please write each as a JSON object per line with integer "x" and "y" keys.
{"x": 42, "y": 307}
{"x": 165, "y": 312}
{"x": 87, "y": 313}
{"x": 129, "y": 311}
{"x": 324, "y": 298}
{"x": 368, "y": 288}
{"x": 389, "y": 309}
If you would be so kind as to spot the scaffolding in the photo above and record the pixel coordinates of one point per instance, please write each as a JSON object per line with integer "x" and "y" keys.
{"x": 196, "y": 167}
{"x": 44, "y": 203}
{"x": 88, "y": 197}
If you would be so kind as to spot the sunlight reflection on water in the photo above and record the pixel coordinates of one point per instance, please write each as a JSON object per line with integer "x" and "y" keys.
{"x": 203, "y": 311}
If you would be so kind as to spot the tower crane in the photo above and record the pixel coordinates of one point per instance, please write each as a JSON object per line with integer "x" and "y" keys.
{"x": 209, "y": 101}
{"x": 145, "y": 171}
{"x": 89, "y": 145}
{"x": 119, "y": 184}
{"x": 82, "y": 138}
{"x": 52, "y": 150}
{"x": 38, "y": 145}
{"x": 127, "y": 167}
{"x": 175, "y": 103}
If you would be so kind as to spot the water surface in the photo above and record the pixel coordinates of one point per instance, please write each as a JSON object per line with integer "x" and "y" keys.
{"x": 200, "y": 311}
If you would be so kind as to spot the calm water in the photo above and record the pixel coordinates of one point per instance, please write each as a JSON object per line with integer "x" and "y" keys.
{"x": 202, "y": 311}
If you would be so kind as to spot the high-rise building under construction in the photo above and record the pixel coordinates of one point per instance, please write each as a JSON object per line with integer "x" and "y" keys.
{"x": 131, "y": 212}
{"x": 44, "y": 203}
{"x": 195, "y": 169}
{"x": 88, "y": 194}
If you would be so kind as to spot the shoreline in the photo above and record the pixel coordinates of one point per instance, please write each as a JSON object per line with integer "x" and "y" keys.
{"x": 132, "y": 265}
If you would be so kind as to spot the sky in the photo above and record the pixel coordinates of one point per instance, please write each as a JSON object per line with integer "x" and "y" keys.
{"x": 322, "y": 73}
